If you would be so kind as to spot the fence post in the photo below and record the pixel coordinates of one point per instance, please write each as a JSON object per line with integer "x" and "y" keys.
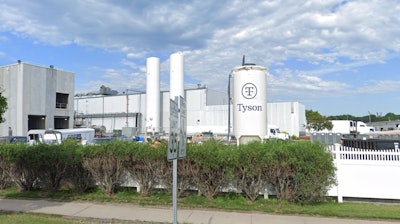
{"x": 337, "y": 155}
{"x": 396, "y": 146}
{"x": 266, "y": 192}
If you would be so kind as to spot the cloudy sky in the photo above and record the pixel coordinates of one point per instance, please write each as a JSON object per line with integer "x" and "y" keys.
{"x": 335, "y": 57}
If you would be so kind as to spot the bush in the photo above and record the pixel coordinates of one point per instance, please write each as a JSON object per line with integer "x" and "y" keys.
{"x": 145, "y": 165}
{"x": 212, "y": 167}
{"x": 78, "y": 175}
{"x": 186, "y": 170}
{"x": 106, "y": 164}
{"x": 249, "y": 164}
{"x": 315, "y": 171}
{"x": 21, "y": 163}
{"x": 299, "y": 171}
{"x": 5, "y": 180}
{"x": 55, "y": 163}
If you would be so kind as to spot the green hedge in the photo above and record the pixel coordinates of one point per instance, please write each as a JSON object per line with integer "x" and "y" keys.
{"x": 298, "y": 171}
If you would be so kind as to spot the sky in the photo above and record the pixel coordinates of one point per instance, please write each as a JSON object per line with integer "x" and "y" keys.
{"x": 335, "y": 57}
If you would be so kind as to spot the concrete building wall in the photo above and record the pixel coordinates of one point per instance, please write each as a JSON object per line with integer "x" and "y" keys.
{"x": 32, "y": 90}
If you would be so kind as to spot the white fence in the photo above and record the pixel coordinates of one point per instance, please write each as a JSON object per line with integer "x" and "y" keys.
{"x": 361, "y": 173}
{"x": 364, "y": 173}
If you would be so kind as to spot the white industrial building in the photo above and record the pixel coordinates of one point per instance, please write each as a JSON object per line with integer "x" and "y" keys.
{"x": 43, "y": 98}
{"x": 37, "y": 98}
{"x": 207, "y": 110}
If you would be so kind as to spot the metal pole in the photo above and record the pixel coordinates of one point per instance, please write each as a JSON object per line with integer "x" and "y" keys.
{"x": 176, "y": 90}
{"x": 229, "y": 106}
{"x": 175, "y": 171}
{"x": 175, "y": 190}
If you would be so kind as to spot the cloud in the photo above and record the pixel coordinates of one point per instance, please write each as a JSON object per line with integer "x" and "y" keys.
{"x": 303, "y": 85}
{"x": 333, "y": 36}
{"x": 380, "y": 86}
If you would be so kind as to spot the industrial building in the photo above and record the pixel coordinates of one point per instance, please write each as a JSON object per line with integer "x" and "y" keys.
{"x": 37, "y": 98}
{"x": 207, "y": 110}
{"x": 43, "y": 98}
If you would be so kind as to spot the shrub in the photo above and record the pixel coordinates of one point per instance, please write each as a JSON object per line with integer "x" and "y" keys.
{"x": 5, "y": 180}
{"x": 299, "y": 171}
{"x": 315, "y": 171}
{"x": 21, "y": 163}
{"x": 212, "y": 167}
{"x": 55, "y": 163}
{"x": 186, "y": 172}
{"x": 249, "y": 165}
{"x": 145, "y": 164}
{"x": 106, "y": 164}
{"x": 78, "y": 175}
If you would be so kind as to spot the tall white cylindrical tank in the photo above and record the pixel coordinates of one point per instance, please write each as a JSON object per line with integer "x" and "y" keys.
{"x": 249, "y": 103}
{"x": 153, "y": 112}
{"x": 176, "y": 73}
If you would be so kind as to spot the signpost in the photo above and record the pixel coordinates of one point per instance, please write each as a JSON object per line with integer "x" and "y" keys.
{"x": 174, "y": 129}
{"x": 182, "y": 128}
{"x": 177, "y": 133}
{"x": 177, "y": 143}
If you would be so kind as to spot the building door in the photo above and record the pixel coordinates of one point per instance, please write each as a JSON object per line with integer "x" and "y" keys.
{"x": 61, "y": 122}
{"x": 36, "y": 122}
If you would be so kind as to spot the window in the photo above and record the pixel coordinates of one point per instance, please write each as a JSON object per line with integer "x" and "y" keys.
{"x": 62, "y": 100}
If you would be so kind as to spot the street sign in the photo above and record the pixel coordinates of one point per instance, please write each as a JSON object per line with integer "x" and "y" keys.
{"x": 182, "y": 128}
{"x": 173, "y": 144}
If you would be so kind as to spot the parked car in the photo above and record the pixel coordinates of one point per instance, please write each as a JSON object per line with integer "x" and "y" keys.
{"x": 13, "y": 139}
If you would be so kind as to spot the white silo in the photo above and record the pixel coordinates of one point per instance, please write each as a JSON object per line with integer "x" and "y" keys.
{"x": 249, "y": 103}
{"x": 176, "y": 73}
{"x": 153, "y": 95}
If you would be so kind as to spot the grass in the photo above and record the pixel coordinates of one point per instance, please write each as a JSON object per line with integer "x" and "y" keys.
{"x": 229, "y": 201}
{"x": 35, "y": 218}
{"x": 15, "y": 218}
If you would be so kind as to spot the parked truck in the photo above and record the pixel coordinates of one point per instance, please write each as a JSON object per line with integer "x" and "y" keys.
{"x": 82, "y": 135}
{"x": 351, "y": 127}
{"x": 275, "y": 133}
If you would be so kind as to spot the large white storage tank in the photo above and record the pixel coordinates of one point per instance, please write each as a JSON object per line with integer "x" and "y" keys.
{"x": 153, "y": 95}
{"x": 249, "y": 103}
{"x": 176, "y": 71}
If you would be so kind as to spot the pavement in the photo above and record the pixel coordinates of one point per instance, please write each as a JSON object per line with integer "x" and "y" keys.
{"x": 134, "y": 213}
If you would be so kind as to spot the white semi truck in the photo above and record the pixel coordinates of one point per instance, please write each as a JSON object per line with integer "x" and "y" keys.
{"x": 351, "y": 127}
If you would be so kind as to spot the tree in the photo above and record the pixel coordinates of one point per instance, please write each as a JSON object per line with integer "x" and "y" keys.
{"x": 3, "y": 107}
{"x": 317, "y": 122}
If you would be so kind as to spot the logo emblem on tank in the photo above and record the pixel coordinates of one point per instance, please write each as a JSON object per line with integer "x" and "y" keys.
{"x": 249, "y": 91}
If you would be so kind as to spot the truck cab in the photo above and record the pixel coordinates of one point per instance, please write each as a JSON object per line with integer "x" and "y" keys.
{"x": 275, "y": 133}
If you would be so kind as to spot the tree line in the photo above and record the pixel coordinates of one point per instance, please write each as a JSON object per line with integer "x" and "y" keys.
{"x": 318, "y": 122}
